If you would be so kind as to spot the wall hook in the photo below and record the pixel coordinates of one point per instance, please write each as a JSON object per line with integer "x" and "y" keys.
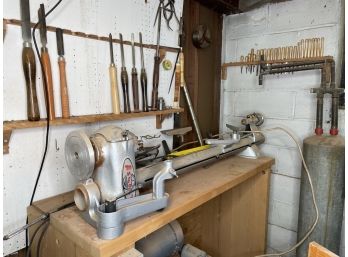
{"x": 57, "y": 148}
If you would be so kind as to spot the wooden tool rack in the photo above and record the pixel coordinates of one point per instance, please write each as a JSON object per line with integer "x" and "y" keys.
{"x": 224, "y": 66}
{"x": 223, "y": 209}
{"x": 9, "y": 126}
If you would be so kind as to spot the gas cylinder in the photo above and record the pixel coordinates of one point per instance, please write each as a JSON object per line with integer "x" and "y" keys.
{"x": 324, "y": 156}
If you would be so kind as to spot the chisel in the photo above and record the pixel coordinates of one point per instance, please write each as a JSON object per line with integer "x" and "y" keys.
{"x": 28, "y": 63}
{"x": 46, "y": 64}
{"x": 134, "y": 79}
{"x": 155, "y": 78}
{"x": 64, "y": 96}
{"x": 115, "y": 98}
{"x": 143, "y": 77}
{"x": 124, "y": 80}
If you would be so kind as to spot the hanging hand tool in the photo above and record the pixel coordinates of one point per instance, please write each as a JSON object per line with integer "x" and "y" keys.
{"x": 246, "y": 65}
{"x": 143, "y": 77}
{"x": 134, "y": 79}
{"x": 168, "y": 11}
{"x": 322, "y": 46}
{"x": 155, "y": 78}
{"x": 176, "y": 62}
{"x": 64, "y": 96}
{"x": 28, "y": 63}
{"x": 115, "y": 97}
{"x": 177, "y": 85}
{"x": 258, "y": 54}
{"x": 253, "y": 57}
{"x": 241, "y": 65}
{"x": 124, "y": 80}
{"x": 46, "y": 67}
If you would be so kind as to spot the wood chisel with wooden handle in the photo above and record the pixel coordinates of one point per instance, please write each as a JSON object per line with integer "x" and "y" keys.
{"x": 124, "y": 80}
{"x": 64, "y": 96}
{"x": 155, "y": 78}
{"x": 115, "y": 97}
{"x": 28, "y": 63}
{"x": 143, "y": 77}
{"x": 135, "y": 85}
{"x": 46, "y": 64}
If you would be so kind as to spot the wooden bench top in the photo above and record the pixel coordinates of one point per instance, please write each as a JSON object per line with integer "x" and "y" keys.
{"x": 187, "y": 192}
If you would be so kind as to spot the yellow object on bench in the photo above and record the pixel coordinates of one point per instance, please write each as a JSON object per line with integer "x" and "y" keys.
{"x": 189, "y": 151}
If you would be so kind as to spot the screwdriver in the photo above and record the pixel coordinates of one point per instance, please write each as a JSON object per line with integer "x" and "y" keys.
{"x": 115, "y": 98}
{"x": 28, "y": 63}
{"x": 46, "y": 68}
{"x": 124, "y": 80}
{"x": 134, "y": 79}
{"x": 143, "y": 77}
{"x": 64, "y": 96}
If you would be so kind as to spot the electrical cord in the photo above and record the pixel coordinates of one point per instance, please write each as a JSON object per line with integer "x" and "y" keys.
{"x": 311, "y": 186}
{"x": 27, "y": 254}
{"x": 38, "y": 247}
{"x": 48, "y": 115}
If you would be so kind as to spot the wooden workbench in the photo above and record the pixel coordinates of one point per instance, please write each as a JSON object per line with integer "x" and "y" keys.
{"x": 222, "y": 209}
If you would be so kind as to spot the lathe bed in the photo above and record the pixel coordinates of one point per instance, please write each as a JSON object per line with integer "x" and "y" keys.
{"x": 222, "y": 208}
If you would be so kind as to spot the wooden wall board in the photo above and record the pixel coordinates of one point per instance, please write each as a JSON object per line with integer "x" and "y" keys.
{"x": 202, "y": 71}
{"x": 191, "y": 190}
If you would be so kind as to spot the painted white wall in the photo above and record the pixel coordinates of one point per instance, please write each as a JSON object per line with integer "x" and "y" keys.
{"x": 89, "y": 91}
{"x": 284, "y": 99}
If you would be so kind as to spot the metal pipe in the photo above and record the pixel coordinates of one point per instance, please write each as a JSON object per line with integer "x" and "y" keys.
{"x": 185, "y": 163}
{"x": 334, "y": 115}
{"x": 335, "y": 100}
{"x": 188, "y": 99}
{"x": 319, "y": 116}
{"x": 193, "y": 115}
{"x": 333, "y": 74}
{"x": 271, "y": 70}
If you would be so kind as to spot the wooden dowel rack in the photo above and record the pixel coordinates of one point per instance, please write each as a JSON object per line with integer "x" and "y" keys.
{"x": 8, "y": 126}
{"x": 92, "y": 36}
{"x": 230, "y": 64}
{"x": 224, "y": 66}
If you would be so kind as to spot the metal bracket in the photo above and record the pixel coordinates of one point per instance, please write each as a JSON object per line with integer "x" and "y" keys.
{"x": 252, "y": 152}
{"x": 160, "y": 118}
{"x": 6, "y": 141}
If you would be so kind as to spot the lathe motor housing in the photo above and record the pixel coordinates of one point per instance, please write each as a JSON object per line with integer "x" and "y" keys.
{"x": 108, "y": 157}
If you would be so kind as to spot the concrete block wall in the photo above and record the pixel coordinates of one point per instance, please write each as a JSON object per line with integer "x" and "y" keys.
{"x": 284, "y": 99}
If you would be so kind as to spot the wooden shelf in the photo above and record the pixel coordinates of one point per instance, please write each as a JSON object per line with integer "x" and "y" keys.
{"x": 24, "y": 124}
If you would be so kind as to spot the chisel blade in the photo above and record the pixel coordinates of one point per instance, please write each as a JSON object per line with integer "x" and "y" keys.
{"x": 60, "y": 42}
{"x": 43, "y": 28}
{"x": 111, "y": 49}
{"x": 25, "y": 20}
{"x": 133, "y": 50}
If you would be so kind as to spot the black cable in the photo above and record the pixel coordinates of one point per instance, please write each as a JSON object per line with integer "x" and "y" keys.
{"x": 47, "y": 111}
{"x": 27, "y": 254}
{"x": 171, "y": 80}
{"x": 38, "y": 247}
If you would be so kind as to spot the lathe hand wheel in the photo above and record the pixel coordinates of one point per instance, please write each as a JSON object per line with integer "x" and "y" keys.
{"x": 79, "y": 155}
